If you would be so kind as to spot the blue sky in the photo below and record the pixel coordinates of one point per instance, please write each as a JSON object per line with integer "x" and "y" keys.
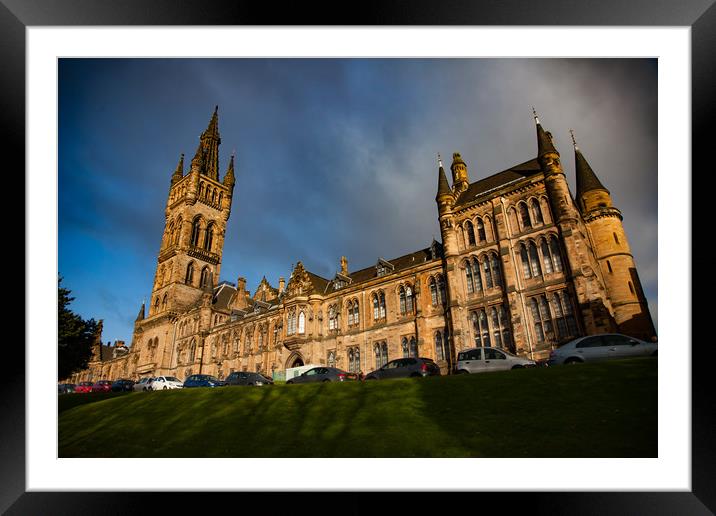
{"x": 334, "y": 156}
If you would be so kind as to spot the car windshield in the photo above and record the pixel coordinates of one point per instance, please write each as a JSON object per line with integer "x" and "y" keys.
{"x": 171, "y": 379}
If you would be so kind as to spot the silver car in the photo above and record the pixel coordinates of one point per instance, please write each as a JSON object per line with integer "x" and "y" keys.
{"x": 482, "y": 360}
{"x": 142, "y": 384}
{"x": 601, "y": 347}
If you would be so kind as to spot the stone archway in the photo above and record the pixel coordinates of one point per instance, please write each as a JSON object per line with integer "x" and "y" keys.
{"x": 295, "y": 360}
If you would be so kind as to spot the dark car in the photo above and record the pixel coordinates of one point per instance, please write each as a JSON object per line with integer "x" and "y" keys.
{"x": 65, "y": 388}
{"x": 122, "y": 385}
{"x": 324, "y": 374}
{"x": 203, "y": 380}
{"x": 102, "y": 386}
{"x": 247, "y": 378}
{"x": 405, "y": 368}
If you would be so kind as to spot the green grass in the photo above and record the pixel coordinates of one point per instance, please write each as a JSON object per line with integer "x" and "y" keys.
{"x": 589, "y": 410}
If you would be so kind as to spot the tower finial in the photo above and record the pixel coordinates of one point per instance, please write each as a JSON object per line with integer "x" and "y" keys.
{"x": 535, "y": 115}
{"x": 440, "y": 161}
{"x": 574, "y": 142}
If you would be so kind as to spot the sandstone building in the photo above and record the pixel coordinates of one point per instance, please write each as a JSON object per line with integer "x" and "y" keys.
{"x": 522, "y": 264}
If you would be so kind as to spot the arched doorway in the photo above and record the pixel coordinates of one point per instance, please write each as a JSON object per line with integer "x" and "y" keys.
{"x": 295, "y": 360}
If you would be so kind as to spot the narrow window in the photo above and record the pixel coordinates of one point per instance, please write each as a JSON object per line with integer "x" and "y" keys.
{"x": 495, "y": 264}
{"x": 545, "y": 314}
{"x": 525, "y": 261}
{"x": 439, "y": 352}
{"x": 478, "y": 278}
{"x": 404, "y": 345}
{"x": 496, "y": 327}
{"x": 382, "y": 305}
{"x": 537, "y": 212}
{"x": 537, "y": 320}
{"x": 484, "y": 328}
{"x": 546, "y": 257}
{"x": 402, "y": 300}
{"x": 481, "y": 231}
{"x": 409, "y": 300}
{"x": 616, "y": 239}
{"x": 488, "y": 273}
{"x": 631, "y": 288}
{"x": 356, "y": 320}
{"x": 433, "y": 292}
{"x": 195, "y": 227}
{"x": 556, "y": 254}
{"x": 413, "y": 347}
{"x": 525, "y": 216}
{"x": 470, "y": 233}
{"x": 534, "y": 260}
{"x": 301, "y": 323}
{"x": 468, "y": 277}
{"x": 376, "y": 310}
{"x": 209, "y": 237}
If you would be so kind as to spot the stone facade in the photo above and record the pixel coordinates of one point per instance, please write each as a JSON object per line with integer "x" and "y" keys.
{"x": 522, "y": 265}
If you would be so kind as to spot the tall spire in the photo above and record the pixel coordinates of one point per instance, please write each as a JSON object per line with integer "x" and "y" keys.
{"x": 140, "y": 315}
{"x": 197, "y": 162}
{"x": 229, "y": 178}
{"x": 210, "y": 141}
{"x": 587, "y": 180}
{"x": 544, "y": 139}
{"x": 179, "y": 172}
{"x": 443, "y": 186}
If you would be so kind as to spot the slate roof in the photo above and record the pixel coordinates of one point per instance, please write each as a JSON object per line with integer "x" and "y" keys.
{"x": 513, "y": 174}
{"x": 222, "y": 296}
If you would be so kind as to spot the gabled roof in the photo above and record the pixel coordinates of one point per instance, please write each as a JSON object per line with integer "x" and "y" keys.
{"x": 495, "y": 181}
{"x": 222, "y": 296}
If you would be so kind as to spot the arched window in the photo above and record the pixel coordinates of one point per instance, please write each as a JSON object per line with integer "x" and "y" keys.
{"x": 204, "y": 281}
{"x": 356, "y": 358}
{"x": 156, "y": 304}
{"x": 556, "y": 254}
{"x": 404, "y": 345}
{"x": 213, "y": 195}
{"x": 402, "y": 300}
{"x": 291, "y": 322}
{"x": 537, "y": 320}
{"x": 208, "y": 239}
{"x": 301, "y": 323}
{"x": 189, "y": 279}
{"x": 353, "y": 309}
{"x": 477, "y": 276}
{"x": 534, "y": 260}
{"x": 331, "y": 359}
{"x": 350, "y": 360}
{"x": 470, "y": 233}
{"x": 413, "y": 347}
{"x": 546, "y": 257}
{"x": 525, "y": 216}
{"x": 376, "y": 308}
{"x": 381, "y": 354}
{"x": 433, "y": 291}
{"x": 441, "y": 289}
{"x": 525, "y": 261}
{"x": 481, "y": 231}
{"x": 195, "y": 229}
{"x": 536, "y": 211}
{"x": 484, "y": 328}
{"x": 201, "y": 189}
{"x": 332, "y": 318}
{"x": 221, "y": 194}
{"x": 381, "y": 298}
{"x": 480, "y": 330}
{"x": 350, "y": 313}
{"x": 495, "y": 266}
{"x": 164, "y": 302}
{"x": 497, "y": 336}
{"x": 488, "y": 273}
{"x": 468, "y": 277}
{"x": 384, "y": 352}
{"x": 439, "y": 351}
{"x": 409, "y": 300}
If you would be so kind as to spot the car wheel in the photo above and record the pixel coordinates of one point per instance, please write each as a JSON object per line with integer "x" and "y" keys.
{"x": 165, "y": 387}
{"x": 462, "y": 371}
{"x": 572, "y": 361}
{"x": 517, "y": 366}
{"x": 289, "y": 382}
{"x": 326, "y": 380}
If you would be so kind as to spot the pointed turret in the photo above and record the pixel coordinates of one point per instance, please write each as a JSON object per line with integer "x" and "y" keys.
{"x": 179, "y": 172}
{"x": 197, "y": 162}
{"x": 587, "y": 180}
{"x": 140, "y": 315}
{"x": 210, "y": 141}
{"x": 443, "y": 186}
{"x": 544, "y": 139}
{"x": 229, "y": 178}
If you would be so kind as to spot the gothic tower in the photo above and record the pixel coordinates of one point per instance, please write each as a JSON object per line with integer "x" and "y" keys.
{"x": 591, "y": 295}
{"x": 604, "y": 224}
{"x": 197, "y": 210}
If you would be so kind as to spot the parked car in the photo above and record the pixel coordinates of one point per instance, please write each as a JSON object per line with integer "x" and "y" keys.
{"x": 142, "y": 384}
{"x": 122, "y": 385}
{"x": 324, "y": 374}
{"x": 65, "y": 388}
{"x": 102, "y": 386}
{"x": 203, "y": 380}
{"x": 161, "y": 383}
{"x": 606, "y": 346}
{"x": 405, "y": 368}
{"x": 486, "y": 359}
{"x": 247, "y": 378}
{"x": 83, "y": 387}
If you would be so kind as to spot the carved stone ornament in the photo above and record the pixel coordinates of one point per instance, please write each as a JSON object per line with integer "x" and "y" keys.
{"x": 300, "y": 282}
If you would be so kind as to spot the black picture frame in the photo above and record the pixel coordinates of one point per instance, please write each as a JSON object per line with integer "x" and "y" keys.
{"x": 699, "y": 15}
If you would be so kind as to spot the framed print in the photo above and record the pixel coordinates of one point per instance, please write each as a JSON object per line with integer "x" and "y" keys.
{"x": 561, "y": 274}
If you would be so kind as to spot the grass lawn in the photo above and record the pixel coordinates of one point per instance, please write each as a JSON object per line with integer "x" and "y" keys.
{"x": 607, "y": 409}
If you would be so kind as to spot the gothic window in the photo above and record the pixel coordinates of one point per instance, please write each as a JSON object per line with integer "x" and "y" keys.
{"x": 546, "y": 257}
{"x": 413, "y": 347}
{"x": 409, "y": 300}
{"x": 379, "y": 305}
{"x": 213, "y": 196}
{"x": 441, "y": 289}
{"x": 537, "y": 320}
{"x": 534, "y": 260}
{"x": 495, "y": 266}
{"x": 477, "y": 276}
{"x": 221, "y": 194}
{"x": 156, "y": 304}
{"x": 470, "y": 233}
{"x": 331, "y": 359}
{"x": 404, "y": 345}
{"x": 301, "y": 323}
{"x": 201, "y": 189}
{"x": 381, "y": 297}
{"x": 204, "y": 277}
{"x": 433, "y": 291}
{"x": 350, "y": 313}
{"x": 195, "y": 229}
{"x": 376, "y": 310}
{"x": 480, "y": 329}
{"x": 545, "y": 314}
{"x": 381, "y": 354}
{"x": 209, "y": 237}
{"x": 525, "y": 261}
{"x": 497, "y": 336}
{"x": 291, "y": 322}
{"x": 566, "y": 301}
{"x": 356, "y": 318}
{"x": 164, "y": 302}
{"x": 353, "y": 360}
{"x": 504, "y": 327}
{"x": 481, "y": 231}
{"x": 402, "y": 300}
{"x": 439, "y": 350}
{"x": 468, "y": 278}
{"x": 332, "y": 318}
{"x": 488, "y": 273}
{"x": 192, "y": 351}
{"x": 556, "y": 254}
{"x": 525, "y": 216}
{"x": 261, "y": 339}
{"x": 536, "y": 212}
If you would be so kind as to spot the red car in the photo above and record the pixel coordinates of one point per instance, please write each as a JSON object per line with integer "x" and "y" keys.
{"x": 102, "y": 386}
{"x": 84, "y": 387}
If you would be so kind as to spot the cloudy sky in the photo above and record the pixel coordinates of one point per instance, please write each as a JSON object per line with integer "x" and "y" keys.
{"x": 334, "y": 157}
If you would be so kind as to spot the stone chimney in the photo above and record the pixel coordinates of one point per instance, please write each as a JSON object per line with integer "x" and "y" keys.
{"x": 281, "y": 285}
{"x": 344, "y": 265}
{"x": 241, "y": 285}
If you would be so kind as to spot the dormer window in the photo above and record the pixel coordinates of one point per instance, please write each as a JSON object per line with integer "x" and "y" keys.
{"x": 383, "y": 267}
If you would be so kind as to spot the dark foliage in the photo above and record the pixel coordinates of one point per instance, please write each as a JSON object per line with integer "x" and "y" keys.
{"x": 75, "y": 336}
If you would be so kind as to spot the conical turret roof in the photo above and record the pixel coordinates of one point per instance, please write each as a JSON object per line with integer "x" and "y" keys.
{"x": 587, "y": 180}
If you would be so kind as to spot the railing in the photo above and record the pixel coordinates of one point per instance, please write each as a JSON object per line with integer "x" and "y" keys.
{"x": 203, "y": 254}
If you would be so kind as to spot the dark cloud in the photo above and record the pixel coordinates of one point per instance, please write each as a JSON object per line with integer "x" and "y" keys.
{"x": 334, "y": 156}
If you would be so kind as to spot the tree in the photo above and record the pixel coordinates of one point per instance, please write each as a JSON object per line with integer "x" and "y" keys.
{"x": 75, "y": 336}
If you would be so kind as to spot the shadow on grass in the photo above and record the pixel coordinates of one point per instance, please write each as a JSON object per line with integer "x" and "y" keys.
{"x": 607, "y": 409}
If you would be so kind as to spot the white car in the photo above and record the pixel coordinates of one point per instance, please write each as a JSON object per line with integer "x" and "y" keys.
{"x": 142, "y": 384}
{"x": 161, "y": 383}
{"x": 482, "y": 360}
{"x": 606, "y": 346}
